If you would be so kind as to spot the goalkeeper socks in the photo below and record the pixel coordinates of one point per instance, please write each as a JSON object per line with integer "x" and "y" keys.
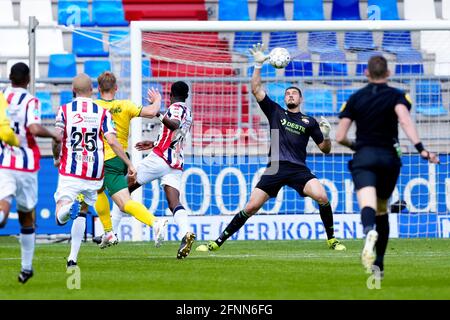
{"x": 102, "y": 208}
{"x": 27, "y": 237}
{"x": 327, "y": 218}
{"x": 383, "y": 237}
{"x": 181, "y": 219}
{"x": 235, "y": 224}
{"x": 368, "y": 215}
{"x": 77, "y": 234}
{"x": 140, "y": 212}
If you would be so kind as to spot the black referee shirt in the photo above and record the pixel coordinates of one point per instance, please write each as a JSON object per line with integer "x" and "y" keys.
{"x": 294, "y": 131}
{"x": 373, "y": 110}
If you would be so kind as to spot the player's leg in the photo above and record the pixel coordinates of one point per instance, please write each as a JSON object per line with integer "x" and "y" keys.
{"x": 103, "y": 210}
{"x": 5, "y": 207}
{"x": 7, "y": 192}
{"x": 314, "y": 189}
{"x": 179, "y": 214}
{"x": 116, "y": 217}
{"x": 26, "y": 199}
{"x": 257, "y": 199}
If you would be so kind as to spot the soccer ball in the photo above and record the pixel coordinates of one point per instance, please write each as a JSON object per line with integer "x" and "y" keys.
{"x": 279, "y": 57}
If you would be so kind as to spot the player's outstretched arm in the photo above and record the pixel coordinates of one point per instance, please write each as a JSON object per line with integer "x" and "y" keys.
{"x": 38, "y": 130}
{"x": 342, "y": 131}
{"x": 325, "y": 127}
{"x": 152, "y": 110}
{"x": 118, "y": 150}
{"x": 144, "y": 145}
{"x": 410, "y": 130}
{"x": 172, "y": 124}
{"x": 258, "y": 55}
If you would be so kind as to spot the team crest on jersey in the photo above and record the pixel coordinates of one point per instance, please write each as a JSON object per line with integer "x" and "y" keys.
{"x": 77, "y": 118}
{"x": 305, "y": 120}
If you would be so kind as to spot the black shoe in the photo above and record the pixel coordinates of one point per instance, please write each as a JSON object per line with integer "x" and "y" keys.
{"x": 97, "y": 239}
{"x": 71, "y": 263}
{"x": 186, "y": 245}
{"x": 24, "y": 275}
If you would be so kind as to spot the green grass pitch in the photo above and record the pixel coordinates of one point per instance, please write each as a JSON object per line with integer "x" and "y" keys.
{"x": 273, "y": 270}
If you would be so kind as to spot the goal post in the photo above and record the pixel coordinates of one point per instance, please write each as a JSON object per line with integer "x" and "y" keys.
{"x": 228, "y": 155}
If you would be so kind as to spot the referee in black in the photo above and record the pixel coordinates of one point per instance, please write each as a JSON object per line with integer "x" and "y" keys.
{"x": 287, "y": 167}
{"x": 377, "y": 109}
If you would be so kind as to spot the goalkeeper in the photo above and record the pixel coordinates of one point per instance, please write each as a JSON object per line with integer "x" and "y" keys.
{"x": 290, "y": 133}
{"x": 377, "y": 109}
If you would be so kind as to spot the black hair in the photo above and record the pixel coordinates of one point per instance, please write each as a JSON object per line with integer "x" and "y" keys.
{"x": 179, "y": 90}
{"x": 296, "y": 88}
{"x": 20, "y": 74}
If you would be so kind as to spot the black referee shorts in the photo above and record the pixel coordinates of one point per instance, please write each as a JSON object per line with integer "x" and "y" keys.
{"x": 375, "y": 167}
{"x": 288, "y": 174}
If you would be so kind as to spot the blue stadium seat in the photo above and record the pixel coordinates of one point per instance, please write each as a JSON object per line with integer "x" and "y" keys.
{"x": 245, "y": 40}
{"x": 88, "y": 44}
{"x": 382, "y": 10}
{"x": 308, "y": 10}
{"x": 125, "y": 69}
{"x": 108, "y": 13}
{"x": 318, "y": 102}
{"x": 285, "y": 39}
{"x": 345, "y": 10}
{"x": 359, "y": 41}
{"x": 300, "y": 66}
{"x": 74, "y": 12}
{"x": 118, "y": 43}
{"x": 397, "y": 41}
{"x": 46, "y": 104}
{"x": 233, "y": 10}
{"x": 276, "y": 91}
{"x": 409, "y": 63}
{"x": 266, "y": 71}
{"x": 93, "y": 68}
{"x": 429, "y": 98}
{"x": 342, "y": 96}
{"x": 270, "y": 10}
{"x": 62, "y": 66}
{"x": 65, "y": 97}
{"x": 319, "y": 41}
{"x": 333, "y": 64}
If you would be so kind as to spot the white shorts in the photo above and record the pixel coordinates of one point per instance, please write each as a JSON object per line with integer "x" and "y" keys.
{"x": 21, "y": 185}
{"x": 154, "y": 167}
{"x": 70, "y": 187}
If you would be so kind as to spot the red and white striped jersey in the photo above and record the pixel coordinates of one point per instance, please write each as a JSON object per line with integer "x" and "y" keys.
{"x": 23, "y": 110}
{"x": 84, "y": 124}
{"x": 169, "y": 144}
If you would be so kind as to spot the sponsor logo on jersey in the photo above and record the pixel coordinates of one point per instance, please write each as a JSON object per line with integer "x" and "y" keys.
{"x": 77, "y": 118}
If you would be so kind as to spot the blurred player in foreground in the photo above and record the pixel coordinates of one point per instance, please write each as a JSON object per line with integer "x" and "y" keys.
{"x": 19, "y": 164}
{"x": 82, "y": 125}
{"x": 377, "y": 109}
{"x": 115, "y": 182}
{"x": 7, "y": 134}
{"x": 287, "y": 166}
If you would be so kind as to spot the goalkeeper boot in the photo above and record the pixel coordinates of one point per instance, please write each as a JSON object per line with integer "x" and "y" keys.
{"x": 368, "y": 253}
{"x": 335, "y": 244}
{"x": 108, "y": 239}
{"x": 159, "y": 228}
{"x": 186, "y": 245}
{"x": 24, "y": 275}
{"x": 211, "y": 246}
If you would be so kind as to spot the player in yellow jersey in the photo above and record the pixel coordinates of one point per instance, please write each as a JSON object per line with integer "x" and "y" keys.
{"x": 7, "y": 134}
{"x": 115, "y": 181}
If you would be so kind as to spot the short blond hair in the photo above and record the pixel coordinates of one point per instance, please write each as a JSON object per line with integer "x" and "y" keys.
{"x": 107, "y": 81}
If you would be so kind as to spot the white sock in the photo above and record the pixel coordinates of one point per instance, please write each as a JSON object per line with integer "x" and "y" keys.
{"x": 181, "y": 219}
{"x": 116, "y": 216}
{"x": 2, "y": 216}
{"x": 27, "y": 248}
{"x": 77, "y": 233}
{"x": 63, "y": 215}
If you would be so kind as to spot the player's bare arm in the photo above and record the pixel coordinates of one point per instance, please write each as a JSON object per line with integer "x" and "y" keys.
{"x": 342, "y": 131}
{"x": 152, "y": 110}
{"x": 56, "y": 147}
{"x": 172, "y": 124}
{"x": 144, "y": 145}
{"x": 39, "y": 131}
{"x": 259, "y": 58}
{"x": 410, "y": 130}
{"x": 118, "y": 150}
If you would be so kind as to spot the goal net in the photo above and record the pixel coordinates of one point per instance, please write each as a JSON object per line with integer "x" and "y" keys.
{"x": 229, "y": 139}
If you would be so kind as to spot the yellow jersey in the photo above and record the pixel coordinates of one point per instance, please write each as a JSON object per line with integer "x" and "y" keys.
{"x": 7, "y": 134}
{"x": 122, "y": 112}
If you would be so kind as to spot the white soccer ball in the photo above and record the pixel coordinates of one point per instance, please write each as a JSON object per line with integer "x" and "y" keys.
{"x": 279, "y": 57}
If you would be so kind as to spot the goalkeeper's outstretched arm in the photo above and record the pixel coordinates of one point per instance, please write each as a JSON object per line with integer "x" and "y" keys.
{"x": 257, "y": 89}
